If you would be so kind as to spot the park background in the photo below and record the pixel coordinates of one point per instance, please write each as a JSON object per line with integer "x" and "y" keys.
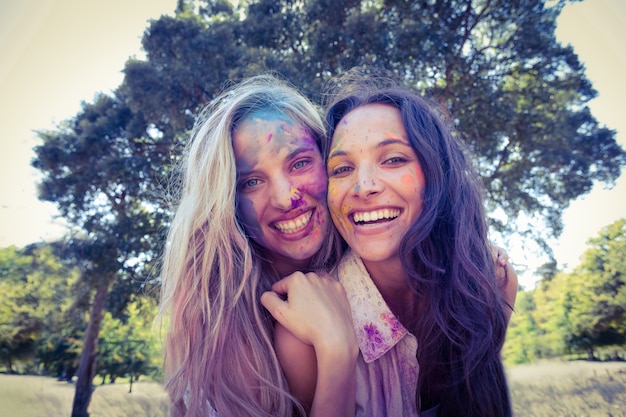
{"x": 57, "y": 54}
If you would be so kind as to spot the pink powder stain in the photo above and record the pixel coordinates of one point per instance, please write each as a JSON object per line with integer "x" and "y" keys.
{"x": 270, "y": 136}
{"x": 316, "y": 233}
{"x": 407, "y": 180}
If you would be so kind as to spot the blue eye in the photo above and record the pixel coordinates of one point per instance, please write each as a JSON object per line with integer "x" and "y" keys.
{"x": 249, "y": 183}
{"x": 300, "y": 164}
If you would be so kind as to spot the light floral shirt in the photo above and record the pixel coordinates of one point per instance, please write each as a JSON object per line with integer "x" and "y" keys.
{"x": 387, "y": 367}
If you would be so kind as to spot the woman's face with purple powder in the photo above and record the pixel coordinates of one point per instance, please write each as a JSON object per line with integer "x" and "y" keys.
{"x": 281, "y": 186}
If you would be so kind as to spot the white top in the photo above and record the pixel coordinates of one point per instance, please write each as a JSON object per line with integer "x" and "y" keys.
{"x": 387, "y": 367}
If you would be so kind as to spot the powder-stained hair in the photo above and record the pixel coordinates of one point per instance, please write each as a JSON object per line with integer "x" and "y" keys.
{"x": 460, "y": 323}
{"x": 218, "y": 346}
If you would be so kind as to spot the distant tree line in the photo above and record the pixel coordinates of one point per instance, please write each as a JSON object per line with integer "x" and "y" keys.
{"x": 44, "y": 314}
{"x": 577, "y": 312}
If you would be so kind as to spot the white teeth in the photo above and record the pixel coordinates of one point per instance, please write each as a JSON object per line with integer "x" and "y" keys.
{"x": 372, "y": 216}
{"x": 295, "y": 225}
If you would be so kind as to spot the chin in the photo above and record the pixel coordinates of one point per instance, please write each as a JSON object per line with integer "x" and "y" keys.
{"x": 375, "y": 255}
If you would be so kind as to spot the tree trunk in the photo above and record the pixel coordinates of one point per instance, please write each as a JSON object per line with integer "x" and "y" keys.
{"x": 87, "y": 364}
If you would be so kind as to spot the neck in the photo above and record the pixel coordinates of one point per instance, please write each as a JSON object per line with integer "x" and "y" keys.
{"x": 284, "y": 266}
{"x": 391, "y": 280}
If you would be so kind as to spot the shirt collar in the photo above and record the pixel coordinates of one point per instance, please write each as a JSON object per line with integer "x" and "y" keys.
{"x": 377, "y": 328}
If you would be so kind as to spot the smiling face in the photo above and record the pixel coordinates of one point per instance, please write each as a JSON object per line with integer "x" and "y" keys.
{"x": 281, "y": 188}
{"x": 375, "y": 182}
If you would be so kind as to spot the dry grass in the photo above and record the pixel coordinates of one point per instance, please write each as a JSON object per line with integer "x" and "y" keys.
{"x": 34, "y": 396}
{"x": 569, "y": 389}
{"x": 547, "y": 389}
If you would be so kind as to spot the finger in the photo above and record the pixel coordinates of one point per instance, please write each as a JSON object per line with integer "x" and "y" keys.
{"x": 500, "y": 255}
{"x": 274, "y": 304}
{"x": 282, "y": 286}
{"x": 503, "y": 257}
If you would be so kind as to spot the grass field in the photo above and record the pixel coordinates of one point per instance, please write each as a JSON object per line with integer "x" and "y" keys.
{"x": 34, "y": 396}
{"x": 548, "y": 389}
{"x": 569, "y": 389}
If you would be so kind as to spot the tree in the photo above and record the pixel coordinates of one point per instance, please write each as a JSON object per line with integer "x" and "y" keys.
{"x": 19, "y": 325}
{"x": 599, "y": 314}
{"x": 517, "y": 96}
{"x": 522, "y": 333}
{"x": 35, "y": 287}
{"x": 128, "y": 346}
{"x": 554, "y": 300}
{"x": 99, "y": 169}
{"x": 579, "y": 311}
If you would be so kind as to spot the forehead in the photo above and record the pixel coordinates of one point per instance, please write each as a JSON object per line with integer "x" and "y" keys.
{"x": 264, "y": 127}
{"x": 269, "y": 134}
{"x": 369, "y": 121}
{"x": 268, "y": 115}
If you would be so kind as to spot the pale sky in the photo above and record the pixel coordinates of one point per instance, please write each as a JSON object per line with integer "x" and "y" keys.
{"x": 58, "y": 53}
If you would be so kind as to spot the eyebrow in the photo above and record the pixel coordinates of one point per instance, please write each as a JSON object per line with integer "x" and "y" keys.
{"x": 382, "y": 144}
{"x": 291, "y": 155}
{"x": 301, "y": 149}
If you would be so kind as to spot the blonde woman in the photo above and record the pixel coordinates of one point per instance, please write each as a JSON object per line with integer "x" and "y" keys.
{"x": 252, "y": 209}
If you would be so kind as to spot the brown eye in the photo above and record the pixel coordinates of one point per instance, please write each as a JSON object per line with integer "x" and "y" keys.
{"x": 340, "y": 171}
{"x": 395, "y": 160}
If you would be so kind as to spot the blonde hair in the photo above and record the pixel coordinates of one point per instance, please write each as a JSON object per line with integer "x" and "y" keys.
{"x": 218, "y": 347}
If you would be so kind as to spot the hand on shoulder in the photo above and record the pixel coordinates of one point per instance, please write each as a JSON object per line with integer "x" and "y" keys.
{"x": 313, "y": 306}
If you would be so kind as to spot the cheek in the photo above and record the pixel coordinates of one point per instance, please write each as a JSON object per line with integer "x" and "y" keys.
{"x": 250, "y": 218}
{"x": 413, "y": 184}
{"x": 410, "y": 184}
{"x": 407, "y": 180}
{"x": 338, "y": 211}
{"x": 316, "y": 186}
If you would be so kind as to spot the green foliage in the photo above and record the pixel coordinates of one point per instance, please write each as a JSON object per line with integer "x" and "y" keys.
{"x": 35, "y": 308}
{"x": 577, "y": 312}
{"x": 42, "y": 325}
{"x": 517, "y": 96}
{"x": 520, "y": 344}
{"x": 599, "y": 315}
{"x": 130, "y": 346}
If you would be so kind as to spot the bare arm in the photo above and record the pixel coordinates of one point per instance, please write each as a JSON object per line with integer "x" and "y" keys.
{"x": 315, "y": 342}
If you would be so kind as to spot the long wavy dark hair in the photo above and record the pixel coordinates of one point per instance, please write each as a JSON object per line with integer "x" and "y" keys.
{"x": 460, "y": 323}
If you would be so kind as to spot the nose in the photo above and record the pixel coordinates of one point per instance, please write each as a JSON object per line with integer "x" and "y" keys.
{"x": 284, "y": 195}
{"x": 367, "y": 184}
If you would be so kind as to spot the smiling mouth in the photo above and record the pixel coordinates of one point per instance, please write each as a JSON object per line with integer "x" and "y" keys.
{"x": 294, "y": 225}
{"x": 376, "y": 216}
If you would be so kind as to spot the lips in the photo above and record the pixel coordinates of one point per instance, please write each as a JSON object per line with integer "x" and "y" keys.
{"x": 294, "y": 225}
{"x": 374, "y": 216}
